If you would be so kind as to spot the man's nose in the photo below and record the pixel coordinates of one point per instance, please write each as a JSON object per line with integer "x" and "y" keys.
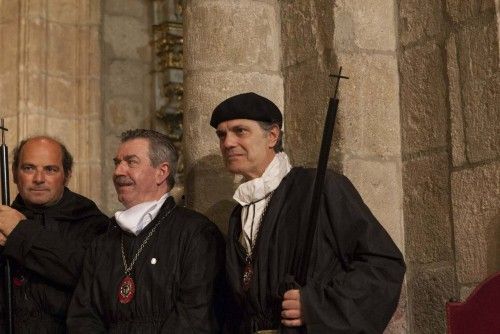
{"x": 228, "y": 141}
{"x": 119, "y": 168}
{"x": 39, "y": 177}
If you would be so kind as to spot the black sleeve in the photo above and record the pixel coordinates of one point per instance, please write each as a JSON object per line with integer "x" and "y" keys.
{"x": 55, "y": 255}
{"x": 361, "y": 296}
{"x": 194, "y": 310}
{"x": 82, "y": 316}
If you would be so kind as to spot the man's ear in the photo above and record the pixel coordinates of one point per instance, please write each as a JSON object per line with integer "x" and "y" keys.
{"x": 273, "y": 135}
{"x": 67, "y": 177}
{"x": 14, "y": 174}
{"x": 162, "y": 172}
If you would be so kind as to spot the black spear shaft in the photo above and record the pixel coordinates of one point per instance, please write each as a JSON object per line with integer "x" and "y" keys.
{"x": 4, "y": 169}
{"x": 319, "y": 180}
{"x": 301, "y": 263}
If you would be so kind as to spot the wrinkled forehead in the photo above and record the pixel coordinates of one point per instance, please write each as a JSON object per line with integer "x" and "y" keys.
{"x": 133, "y": 147}
{"x": 232, "y": 123}
{"x": 136, "y": 144}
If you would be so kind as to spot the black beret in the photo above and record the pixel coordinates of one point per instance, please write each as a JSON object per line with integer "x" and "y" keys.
{"x": 246, "y": 106}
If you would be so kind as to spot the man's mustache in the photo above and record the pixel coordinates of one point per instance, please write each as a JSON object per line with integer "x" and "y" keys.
{"x": 122, "y": 180}
{"x": 38, "y": 188}
{"x": 230, "y": 152}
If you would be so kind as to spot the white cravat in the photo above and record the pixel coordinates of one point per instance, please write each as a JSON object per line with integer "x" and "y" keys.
{"x": 251, "y": 195}
{"x": 136, "y": 218}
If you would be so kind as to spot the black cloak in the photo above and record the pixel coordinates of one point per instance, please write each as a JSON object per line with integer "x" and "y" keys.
{"x": 175, "y": 277}
{"x": 46, "y": 252}
{"x": 356, "y": 270}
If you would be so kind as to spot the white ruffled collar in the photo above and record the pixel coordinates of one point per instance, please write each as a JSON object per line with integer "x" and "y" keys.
{"x": 136, "y": 218}
{"x": 258, "y": 188}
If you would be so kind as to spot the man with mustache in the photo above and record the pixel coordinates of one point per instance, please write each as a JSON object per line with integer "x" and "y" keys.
{"x": 155, "y": 269}
{"x": 355, "y": 271}
{"x": 44, "y": 234}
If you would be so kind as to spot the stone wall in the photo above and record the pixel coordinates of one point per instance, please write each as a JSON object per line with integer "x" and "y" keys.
{"x": 52, "y": 54}
{"x": 450, "y": 144}
{"x": 474, "y": 85}
{"x": 127, "y": 79}
{"x": 50, "y": 79}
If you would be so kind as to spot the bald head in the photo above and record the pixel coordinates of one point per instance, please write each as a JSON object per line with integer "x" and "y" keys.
{"x": 67, "y": 158}
{"x": 41, "y": 169}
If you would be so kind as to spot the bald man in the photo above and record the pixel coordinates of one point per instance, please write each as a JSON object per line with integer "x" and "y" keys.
{"x": 44, "y": 234}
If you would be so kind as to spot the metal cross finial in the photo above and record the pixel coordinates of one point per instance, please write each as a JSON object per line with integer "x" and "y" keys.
{"x": 338, "y": 76}
{"x": 3, "y": 128}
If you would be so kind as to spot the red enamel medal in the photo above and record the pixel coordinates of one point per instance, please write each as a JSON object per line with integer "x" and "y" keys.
{"x": 18, "y": 280}
{"x": 126, "y": 291}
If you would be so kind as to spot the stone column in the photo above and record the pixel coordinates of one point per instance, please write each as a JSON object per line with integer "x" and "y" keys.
{"x": 50, "y": 79}
{"x": 472, "y": 49}
{"x": 369, "y": 118}
{"x": 230, "y": 47}
{"x": 450, "y": 142}
{"x": 424, "y": 116}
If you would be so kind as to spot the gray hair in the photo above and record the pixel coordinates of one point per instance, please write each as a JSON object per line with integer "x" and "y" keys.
{"x": 161, "y": 149}
{"x": 266, "y": 126}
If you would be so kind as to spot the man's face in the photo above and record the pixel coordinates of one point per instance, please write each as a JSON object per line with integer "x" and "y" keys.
{"x": 136, "y": 180}
{"x": 246, "y": 148}
{"x": 40, "y": 175}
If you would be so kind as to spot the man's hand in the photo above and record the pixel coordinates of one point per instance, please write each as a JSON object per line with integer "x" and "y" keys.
{"x": 3, "y": 239}
{"x": 9, "y": 218}
{"x": 291, "y": 314}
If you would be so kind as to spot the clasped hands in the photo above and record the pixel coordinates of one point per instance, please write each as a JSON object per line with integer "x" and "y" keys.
{"x": 9, "y": 218}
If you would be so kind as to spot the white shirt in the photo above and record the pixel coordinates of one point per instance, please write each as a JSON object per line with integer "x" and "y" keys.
{"x": 136, "y": 218}
{"x": 253, "y": 197}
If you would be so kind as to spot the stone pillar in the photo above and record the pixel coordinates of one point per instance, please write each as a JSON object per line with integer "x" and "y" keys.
{"x": 426, "y": 168}
{"x": 369, "y": 117}
{"x": 230, "y": 47}
{"x": 127, "y": 79}
{"x": 50, "y": 79}
{"x": 450, "y": 143}
{"x": 472, "y": 50}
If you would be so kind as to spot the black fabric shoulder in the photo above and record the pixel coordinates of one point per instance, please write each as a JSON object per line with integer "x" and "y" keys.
{"x": 194, "y": 221}
{"x": 305, "y": 176}
{"x": 72, "y": 207}
{"x": 79, "y": 205}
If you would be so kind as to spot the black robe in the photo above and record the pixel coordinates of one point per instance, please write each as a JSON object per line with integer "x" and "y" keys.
{"x": 355, "y": 274}
{"x": 46, "y": 252}
{"x": 173, "y": 295}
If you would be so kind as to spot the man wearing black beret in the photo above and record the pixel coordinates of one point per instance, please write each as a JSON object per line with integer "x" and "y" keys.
{"x": 355, "y": 271}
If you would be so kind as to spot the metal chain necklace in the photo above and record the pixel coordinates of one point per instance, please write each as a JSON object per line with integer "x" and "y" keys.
{"x": 126, "y": 291}
{"x": 249, "y": 258}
